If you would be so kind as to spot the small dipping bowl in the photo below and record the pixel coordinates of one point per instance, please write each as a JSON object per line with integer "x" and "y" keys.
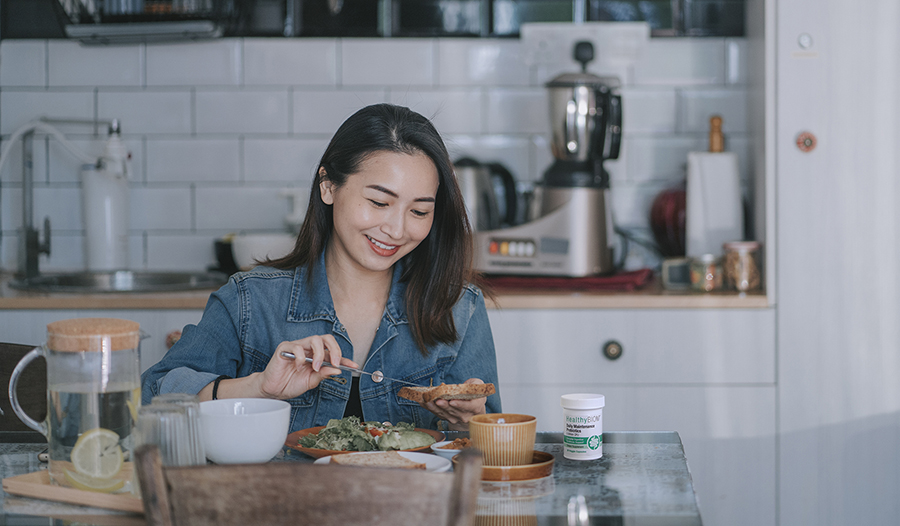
{"x": 244, "y": 430}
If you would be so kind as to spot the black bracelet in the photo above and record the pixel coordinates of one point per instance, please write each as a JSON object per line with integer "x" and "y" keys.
{"x": 215, "y": 394}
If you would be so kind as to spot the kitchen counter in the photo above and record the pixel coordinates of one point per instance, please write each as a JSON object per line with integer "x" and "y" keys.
{"x": 650, "y": 297}
{"x": 642, "y": 479}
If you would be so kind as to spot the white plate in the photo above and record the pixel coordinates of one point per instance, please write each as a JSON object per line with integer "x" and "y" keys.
{"x": 446, "y": 453}
{"x": 432, "y": 463}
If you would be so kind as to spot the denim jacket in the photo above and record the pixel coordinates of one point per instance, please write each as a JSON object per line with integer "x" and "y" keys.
{"x": 247, "y": 318}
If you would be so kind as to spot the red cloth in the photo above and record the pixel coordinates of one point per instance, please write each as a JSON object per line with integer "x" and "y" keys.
{"x": 625, "y": 281}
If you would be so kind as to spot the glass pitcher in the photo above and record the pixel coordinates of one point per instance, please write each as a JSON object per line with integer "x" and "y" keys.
{"x": 93, "y": 397}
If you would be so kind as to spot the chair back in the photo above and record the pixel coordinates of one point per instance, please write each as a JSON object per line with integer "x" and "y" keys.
{"x": 292, "y": 493}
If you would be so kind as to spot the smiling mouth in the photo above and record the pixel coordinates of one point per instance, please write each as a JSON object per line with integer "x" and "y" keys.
{"x": 382, "y": 248}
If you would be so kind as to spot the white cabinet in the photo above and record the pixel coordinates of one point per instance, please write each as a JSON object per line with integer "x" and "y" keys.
{"x": 30, "y": 326}
{"x": 708, "y": 374}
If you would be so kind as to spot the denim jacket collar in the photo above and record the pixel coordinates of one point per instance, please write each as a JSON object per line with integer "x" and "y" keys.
{"x": 315, "y": 302}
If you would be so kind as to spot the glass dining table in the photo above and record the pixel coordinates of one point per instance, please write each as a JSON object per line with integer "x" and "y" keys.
{"x": 642, "y": 480}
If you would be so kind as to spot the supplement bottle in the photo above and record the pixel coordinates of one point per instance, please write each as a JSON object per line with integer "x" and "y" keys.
{"x": 583, "y": 419}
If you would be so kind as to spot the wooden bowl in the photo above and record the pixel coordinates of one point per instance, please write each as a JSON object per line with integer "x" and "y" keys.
{"x": 293, "y": 442}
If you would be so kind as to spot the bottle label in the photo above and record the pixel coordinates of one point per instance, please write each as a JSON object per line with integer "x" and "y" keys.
{"x": 583, "y": 437}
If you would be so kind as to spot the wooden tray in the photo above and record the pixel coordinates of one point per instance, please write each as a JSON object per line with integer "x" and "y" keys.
{"x": 37, "y": 485}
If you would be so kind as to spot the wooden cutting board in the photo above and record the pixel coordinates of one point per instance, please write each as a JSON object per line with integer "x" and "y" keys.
{"x": 37, "y": 485}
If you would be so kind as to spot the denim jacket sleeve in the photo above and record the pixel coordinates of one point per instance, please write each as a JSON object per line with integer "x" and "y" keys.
{"x": 205, "y": 351}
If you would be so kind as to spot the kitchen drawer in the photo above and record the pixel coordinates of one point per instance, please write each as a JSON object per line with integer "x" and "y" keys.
{"x": 728, "y": 435}
{"x": 658, "y": 346}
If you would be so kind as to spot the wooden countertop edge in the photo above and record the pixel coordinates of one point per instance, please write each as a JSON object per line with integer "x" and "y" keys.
{"x": 624, "y": 300}
{"x": 524, "y": 299}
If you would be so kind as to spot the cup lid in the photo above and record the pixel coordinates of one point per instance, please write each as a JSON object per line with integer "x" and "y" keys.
{"x": 83, "y": 334}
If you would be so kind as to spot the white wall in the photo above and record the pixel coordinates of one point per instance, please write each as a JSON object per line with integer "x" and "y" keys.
{"x": 217, "y": 128}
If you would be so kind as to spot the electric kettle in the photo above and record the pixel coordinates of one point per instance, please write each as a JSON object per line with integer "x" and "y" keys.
{"x": 476, "y": 181}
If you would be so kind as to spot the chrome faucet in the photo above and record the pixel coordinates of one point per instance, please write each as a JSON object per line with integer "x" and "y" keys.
{"x": 31, "y": 246}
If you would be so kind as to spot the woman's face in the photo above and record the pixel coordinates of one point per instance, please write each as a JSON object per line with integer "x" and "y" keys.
{"x": 383, "y": 211}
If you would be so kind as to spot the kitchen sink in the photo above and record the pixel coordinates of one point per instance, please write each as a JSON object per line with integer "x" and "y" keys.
{"x": 122, "y": 281}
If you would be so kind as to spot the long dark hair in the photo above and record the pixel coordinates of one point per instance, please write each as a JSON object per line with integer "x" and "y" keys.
{"x": 437, "y": 270}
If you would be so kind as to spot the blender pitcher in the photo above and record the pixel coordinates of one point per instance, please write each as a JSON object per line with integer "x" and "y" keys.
{"x": 93, "y": 397}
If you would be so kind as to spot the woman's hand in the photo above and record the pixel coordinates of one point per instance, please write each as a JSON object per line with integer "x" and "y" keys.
{"x": 458, "y": 412}
{"x": 286, "y": 378}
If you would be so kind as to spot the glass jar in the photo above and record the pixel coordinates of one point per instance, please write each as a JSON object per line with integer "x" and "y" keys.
{"x": 706, "y": 273}
{"x": 742, "y": 266}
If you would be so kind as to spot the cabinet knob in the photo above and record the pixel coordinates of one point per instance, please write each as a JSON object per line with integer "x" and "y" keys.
{"x": 612, "y": 350}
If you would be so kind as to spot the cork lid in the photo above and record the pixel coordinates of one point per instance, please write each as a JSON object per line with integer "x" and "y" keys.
{"x": 85, "y": 334}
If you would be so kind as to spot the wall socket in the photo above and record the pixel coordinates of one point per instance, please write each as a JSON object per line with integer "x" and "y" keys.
{"x": 548, "y": 46}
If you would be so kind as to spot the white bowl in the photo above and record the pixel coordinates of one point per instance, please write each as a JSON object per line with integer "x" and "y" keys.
{"x": 446, "y": 453}
{"x": 244, "y": 430}
{"x": 247, "y": 248}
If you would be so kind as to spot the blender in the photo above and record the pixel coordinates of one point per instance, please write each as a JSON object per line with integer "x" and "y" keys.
{"x": 571, "y": 230}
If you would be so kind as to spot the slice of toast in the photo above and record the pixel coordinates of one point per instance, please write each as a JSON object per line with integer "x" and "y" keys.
{"x": 380, "y": 459}
{"x": 447, "y": 392}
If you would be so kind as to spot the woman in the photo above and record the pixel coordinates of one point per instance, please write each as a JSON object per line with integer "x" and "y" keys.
{"x": 380, "y": 277}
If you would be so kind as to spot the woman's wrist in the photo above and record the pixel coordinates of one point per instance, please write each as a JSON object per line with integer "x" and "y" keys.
{"x": 225, "y": 387}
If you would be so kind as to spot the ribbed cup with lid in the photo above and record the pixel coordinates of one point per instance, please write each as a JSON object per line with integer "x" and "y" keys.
{"x": 84, "y": 334}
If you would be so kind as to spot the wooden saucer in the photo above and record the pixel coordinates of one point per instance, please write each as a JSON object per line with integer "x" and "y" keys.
{"x": 541, "y": 466}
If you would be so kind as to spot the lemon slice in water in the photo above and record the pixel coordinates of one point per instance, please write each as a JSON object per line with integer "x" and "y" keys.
{"x": 87, "y": 483}
{"x": 97, "y": 454}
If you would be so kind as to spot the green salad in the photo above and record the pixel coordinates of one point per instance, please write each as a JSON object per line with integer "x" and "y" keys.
{"x": 349, "y": 434}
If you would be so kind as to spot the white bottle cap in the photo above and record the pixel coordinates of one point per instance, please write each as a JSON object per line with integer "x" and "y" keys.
{"x": 582, "y": 401}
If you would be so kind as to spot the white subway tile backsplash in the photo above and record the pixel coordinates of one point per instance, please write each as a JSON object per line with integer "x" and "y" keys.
{"x": 160, "y": 208}
{"x": 649, "y": 110}
{"x": 20, "y": 107}
{"x": 216, "y": 62}
{"x": 324, "y": 111}
{"x": 245, "y": 111}
{"x": 388, "y": 62}
{"x": 517, "y": 111}
{"x": 481, "y": 62}
{"x": 698, "y": 105}
{"x": 71, "y": 64}
{"x": 185, "y": 252}
{"x": 189, "y": 159}
{"x": 451, "y": 111}
{"x": 291, "y": 161}
{"x": 661, "y": 158}
{"x": 308, "y": 62}
{"x": 217, "y": 129}
{"x": 23, "y": 63}
{"x": 147, "y": 111}
{"x": 241, "y": 208}
{"x": 681, "y": 61}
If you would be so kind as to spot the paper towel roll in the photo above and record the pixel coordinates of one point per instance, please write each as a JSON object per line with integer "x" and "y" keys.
{"x": 714, "y": 208}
